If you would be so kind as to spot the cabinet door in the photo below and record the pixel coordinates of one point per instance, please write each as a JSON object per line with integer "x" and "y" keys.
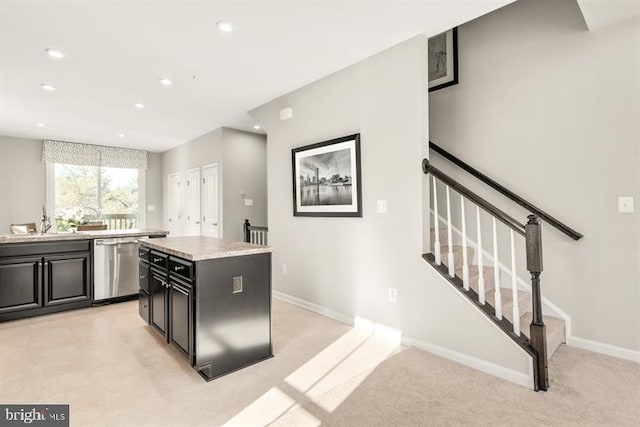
{"x": 159, "y": 307}
{"x": 181, "y": 309}
{"x": 143, "y": 305}
{"x": 67, "y": 278}
{"x": 20, "y": 281}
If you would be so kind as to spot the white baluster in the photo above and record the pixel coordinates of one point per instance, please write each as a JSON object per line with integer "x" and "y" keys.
{"x": 450, "y": 260}
{"x": 496, "y": 273}
{"x": 436, "y": 242}
{"x": 465, "y": 264}
{"x": 480, "y": 267}
{"x": 514, "y": 289}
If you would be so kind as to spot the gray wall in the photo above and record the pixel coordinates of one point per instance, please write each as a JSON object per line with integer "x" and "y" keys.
{"x": 348, "y": 264}
{"x": 241, "y": 158}
{"x": 22, "y": 181}
{"x": 153, "y": 190}
{"x": 23, "y": 186}
{"x": 551, "y": 110}
{"x": 245, "y": 176}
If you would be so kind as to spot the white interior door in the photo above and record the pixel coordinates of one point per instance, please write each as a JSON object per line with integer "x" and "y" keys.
{"x": 174, "y": 204}
{"x": 193, "y": 227}
{"x": 210, "y": 206}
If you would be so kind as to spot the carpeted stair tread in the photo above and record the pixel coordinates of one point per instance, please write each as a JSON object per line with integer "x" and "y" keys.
{"x": 457, "y": 255}
{"x": 474, "y": 273}
{"x": 555, "y": 331}
{"x": 443, "y": 235}
{"x": 524, "y": 301}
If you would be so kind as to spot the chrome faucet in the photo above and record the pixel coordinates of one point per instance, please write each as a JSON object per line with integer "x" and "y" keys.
{"x": 98, "y": 214}
{"x": 45, "y": 223}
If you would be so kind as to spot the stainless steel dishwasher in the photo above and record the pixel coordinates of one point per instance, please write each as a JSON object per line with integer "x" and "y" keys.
{"x": 115, "y": 269}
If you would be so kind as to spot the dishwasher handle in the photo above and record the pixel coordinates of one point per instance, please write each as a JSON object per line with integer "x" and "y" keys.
{"x": 115, "y": 242}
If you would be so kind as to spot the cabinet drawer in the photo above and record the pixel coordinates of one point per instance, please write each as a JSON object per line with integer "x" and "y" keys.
{"x": 143, "y": 275}
{"x": 181, "y": 268}
{"x": 143, "y": 253}
{"x": 158, "y": 259}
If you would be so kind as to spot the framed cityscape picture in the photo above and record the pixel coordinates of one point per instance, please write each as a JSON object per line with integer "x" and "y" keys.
{"x": 443, "y": 60}
{"x": 326, "y": 178}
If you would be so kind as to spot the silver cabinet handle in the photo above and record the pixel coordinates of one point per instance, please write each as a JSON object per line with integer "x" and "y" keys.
{"x": 143, "y": 277}
{"x": 157, "y": 259}
{"x": 179, "y": 267}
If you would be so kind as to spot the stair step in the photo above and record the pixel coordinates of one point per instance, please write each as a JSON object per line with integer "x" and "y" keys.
{"x": 524, "y": 302}
{"x": 457, "y": 256}
{"x": 474, "y": 274}
{"x": 443, "y": 235}
{"x": 555, "y": 331}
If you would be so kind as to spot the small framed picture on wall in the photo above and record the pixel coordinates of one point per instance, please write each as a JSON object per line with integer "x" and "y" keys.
{"x": 326, "y": 178}
{"x": 443, "y": 60}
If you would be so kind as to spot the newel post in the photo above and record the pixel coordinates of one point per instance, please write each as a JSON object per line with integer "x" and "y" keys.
{"x": 247, "y": 236}
{"x": 538, "y": 333}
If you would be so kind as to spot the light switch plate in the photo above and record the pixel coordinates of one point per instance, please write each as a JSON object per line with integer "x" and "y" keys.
{"x": 151, "y": 208}
{"x": 248, "y": 202}
{"x": 381, "y": 206}
{"x": 393, "y": 295}
{"x": 625, "y": 204}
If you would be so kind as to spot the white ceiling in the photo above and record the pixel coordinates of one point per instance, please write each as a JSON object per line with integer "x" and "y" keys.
{"x": 116, "y": 52}
{"x": 600, "y": 13}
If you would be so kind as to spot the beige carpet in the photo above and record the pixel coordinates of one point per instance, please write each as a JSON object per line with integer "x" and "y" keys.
{"x": 113, "y": 370}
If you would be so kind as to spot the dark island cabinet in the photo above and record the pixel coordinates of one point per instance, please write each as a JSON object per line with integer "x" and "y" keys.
{"x": 44, "y": 277}
{"x": 217, "y": 312}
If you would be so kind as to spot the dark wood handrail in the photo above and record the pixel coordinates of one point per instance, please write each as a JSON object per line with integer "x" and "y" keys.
{"x": 487, "y": 206}
{"x": 506, "y": 192}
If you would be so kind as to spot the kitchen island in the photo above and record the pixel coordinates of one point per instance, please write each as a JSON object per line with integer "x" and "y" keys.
{"x": 210, "y": 298}
{"x": 48, "y": 273}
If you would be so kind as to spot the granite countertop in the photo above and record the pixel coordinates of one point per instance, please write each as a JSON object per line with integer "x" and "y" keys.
{"x": 200, "y": 248}
{"x": 80, "y": 235}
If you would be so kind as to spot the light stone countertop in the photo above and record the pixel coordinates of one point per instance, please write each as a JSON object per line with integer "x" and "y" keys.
{"x": 200, "y": 248}
{"x": 80, "y": 235}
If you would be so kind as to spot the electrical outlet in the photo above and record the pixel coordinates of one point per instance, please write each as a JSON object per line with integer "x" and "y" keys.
{"x": 393, "y": 295}
{"x": 248, "y": 202}
{"x": 284, "y": 269}
{"x": 381, "y": 206}
{"x": 625, "y": 204}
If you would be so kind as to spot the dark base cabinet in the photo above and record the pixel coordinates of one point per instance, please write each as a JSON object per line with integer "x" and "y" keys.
{"x": 41, "y": 278}
{"x": 144, "y": 306}
{"x": 217, "y": 312}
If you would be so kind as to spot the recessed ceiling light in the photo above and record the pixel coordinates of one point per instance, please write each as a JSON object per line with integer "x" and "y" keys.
{"x": 224, "y": 26}
{"x": 40, "y": 124}
{"x": 54, "y": 53}
{"x": 256, "y": 127}
{"x": 166, "y": 82}
{"x": 138, "y": 105}
{"x": 47, "y": 86}
{"x": 121, "y": 135}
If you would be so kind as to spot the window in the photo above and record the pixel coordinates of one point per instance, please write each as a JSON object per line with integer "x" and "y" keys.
{"x": 94, "y": 194}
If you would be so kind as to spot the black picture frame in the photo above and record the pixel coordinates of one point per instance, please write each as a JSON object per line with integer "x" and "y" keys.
{"x": 327, "y": 178}
{"x": 443, "y": 60}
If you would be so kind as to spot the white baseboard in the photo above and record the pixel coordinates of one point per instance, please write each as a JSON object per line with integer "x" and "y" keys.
{"x": 472, "y": 362}
{"x": 602, "y": 348}
{"x": 327, "y": 312}
{"x": 393, "y": 334}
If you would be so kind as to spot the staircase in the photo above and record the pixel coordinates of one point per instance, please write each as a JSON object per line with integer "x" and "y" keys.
{"x": 492, "y": 285}
{"x": 555, "y": 325}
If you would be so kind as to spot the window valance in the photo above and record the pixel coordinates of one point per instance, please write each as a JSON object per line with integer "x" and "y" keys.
{"x": 74, "y": 153}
